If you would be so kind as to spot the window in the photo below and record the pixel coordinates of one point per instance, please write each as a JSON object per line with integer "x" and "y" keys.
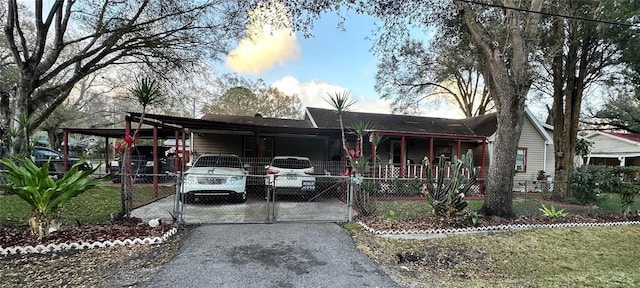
{"x": 264, "y": 145}
{"x": 521, "y": 160}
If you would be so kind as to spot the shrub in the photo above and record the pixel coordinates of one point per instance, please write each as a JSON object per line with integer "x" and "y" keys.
{"x": 551, "y": 212}
{"x": 45, "y": 195}
{"x": 407, "y": 187}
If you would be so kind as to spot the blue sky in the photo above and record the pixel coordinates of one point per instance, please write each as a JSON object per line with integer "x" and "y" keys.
{"x": 331, "y": 60}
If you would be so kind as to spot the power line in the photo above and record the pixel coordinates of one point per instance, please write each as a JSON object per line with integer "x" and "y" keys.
{"x": 548, "y": 14}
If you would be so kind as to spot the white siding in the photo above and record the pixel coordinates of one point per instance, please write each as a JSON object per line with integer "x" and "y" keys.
{"x": 534, "y": 143}
{"x": 607, "y": 144}
{"x": 216, "y": 143}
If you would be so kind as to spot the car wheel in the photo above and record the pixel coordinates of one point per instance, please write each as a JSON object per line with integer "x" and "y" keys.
{"x": 240, "y": 198}
{"x": 116, "y": 178}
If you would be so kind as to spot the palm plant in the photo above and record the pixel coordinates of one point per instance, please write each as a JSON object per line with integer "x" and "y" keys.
{"x": 45, "y": 195}
{"x": 361, "y": 128}
{"x": 341, "y": 102}
{"x": 146, "y": 92}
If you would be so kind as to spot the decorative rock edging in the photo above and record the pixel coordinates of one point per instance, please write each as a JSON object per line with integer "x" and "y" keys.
{"x": 492, "y": 228}
{"x": 42, "y": 249}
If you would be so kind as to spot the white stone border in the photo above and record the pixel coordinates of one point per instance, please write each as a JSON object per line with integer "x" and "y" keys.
{"x": 492, "y": 228}
{"x": 42, "y": 249}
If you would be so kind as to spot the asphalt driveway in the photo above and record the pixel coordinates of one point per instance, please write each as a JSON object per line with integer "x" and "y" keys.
{"x": 270, "y": 255}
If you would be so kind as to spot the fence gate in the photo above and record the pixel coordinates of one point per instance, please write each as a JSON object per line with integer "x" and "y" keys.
{"x": 268, "y": 199}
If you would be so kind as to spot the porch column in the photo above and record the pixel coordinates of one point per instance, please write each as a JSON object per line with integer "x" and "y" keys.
{"x": 106, "y": 155}
{"x": 482, "y": 162}
{"x": 373, "y": 154}
{"x": 175, "y": 157}
{"x": 430, "y": 151}
{"x": 459, "y": 148}
{"x": 155, "y": 162}
{"x": 402, "y": 156}
{"x": 184, "y": 150}
{"x": 65, "y": 149}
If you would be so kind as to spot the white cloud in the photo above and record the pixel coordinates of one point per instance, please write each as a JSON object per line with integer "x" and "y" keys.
{"x": 265, "y": 44}
{"x": 316, "y": 93}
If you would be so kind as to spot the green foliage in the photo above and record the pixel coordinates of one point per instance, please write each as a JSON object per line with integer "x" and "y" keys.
{"x": 147, "y": 92}
{"x": 362, "y": 194}
{"x": 628, "y": 193}
{"x": 388, "y": 217}
{"x": 551, "y": 212}
{"x": 407, "y": 187}
{"x": 446, "y": 195}
{"x": 583, "y": 146}
{"x": 472, "y": 217}
{"x": 45, "y": 195}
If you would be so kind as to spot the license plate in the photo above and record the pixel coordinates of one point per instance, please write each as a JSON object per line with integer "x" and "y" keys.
{"x": 308, "y": 185}
{"x": 292, "y": 177}
{"x": 212, "y": 180}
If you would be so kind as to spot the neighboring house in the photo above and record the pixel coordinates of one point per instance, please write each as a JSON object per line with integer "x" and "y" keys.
{"x": 614, "y": 149}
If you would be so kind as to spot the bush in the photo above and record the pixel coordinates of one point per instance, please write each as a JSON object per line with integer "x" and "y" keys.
{"x": 589, "y": 181}
{"x": 406, "y": 187}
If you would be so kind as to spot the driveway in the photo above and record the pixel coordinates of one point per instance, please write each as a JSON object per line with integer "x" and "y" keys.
{"x": 270, "y": 255}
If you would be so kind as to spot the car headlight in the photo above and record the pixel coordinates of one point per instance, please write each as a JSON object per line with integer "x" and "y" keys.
{"x": 190, "y": 179}
{"x": 149, "y": 164}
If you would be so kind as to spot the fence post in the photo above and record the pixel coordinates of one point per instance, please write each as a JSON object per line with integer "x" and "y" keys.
{"x": 350, "y": 199}
{"x": 178, "y": 208}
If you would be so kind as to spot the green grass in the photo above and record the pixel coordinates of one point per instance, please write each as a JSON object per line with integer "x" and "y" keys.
{"x": 93, "y": 206}
{"x": 561, "y": 257}
{"x": 608, "y": 204}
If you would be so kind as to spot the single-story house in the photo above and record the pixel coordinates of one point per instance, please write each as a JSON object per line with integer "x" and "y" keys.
{"x": 407, "y": 140}
{"x": 614, "y": 149}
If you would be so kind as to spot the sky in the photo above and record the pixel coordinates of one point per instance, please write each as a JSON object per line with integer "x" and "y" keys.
{"x": 332, "y": 60}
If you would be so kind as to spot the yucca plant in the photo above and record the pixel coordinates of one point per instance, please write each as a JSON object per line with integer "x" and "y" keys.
{"x": 446, "y": 195}
{"x": 44, "y": 194}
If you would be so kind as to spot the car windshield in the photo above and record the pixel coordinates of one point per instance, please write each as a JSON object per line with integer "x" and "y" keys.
{"x": 44, "y": 153}
{"x": 291, "y": 163}
{"x": 218, "y": 161}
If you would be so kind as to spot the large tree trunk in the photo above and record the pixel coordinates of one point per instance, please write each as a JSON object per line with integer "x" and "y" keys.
{"x": 569, "y": 68}
{"x": 509, "y": 83}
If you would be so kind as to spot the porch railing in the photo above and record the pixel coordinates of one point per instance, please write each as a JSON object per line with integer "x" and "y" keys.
{"x": 388, "y": 171}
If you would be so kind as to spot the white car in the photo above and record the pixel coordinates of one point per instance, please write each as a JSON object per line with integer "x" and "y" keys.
{"x": 216, "y": 175}
{"x": 291, "y": 175}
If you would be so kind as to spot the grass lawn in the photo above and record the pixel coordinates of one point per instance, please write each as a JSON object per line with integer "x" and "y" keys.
{"x": 93, "y": 206}
{"x": 608, "y": 204}
{"x": 567, "y": 257}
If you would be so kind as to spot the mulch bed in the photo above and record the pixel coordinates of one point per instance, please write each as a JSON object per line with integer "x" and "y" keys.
{"x": 22, "y": 236}
{"x": 432, "y": 223}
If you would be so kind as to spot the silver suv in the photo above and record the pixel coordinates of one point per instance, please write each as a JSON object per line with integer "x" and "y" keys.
{"x": 291, "y": 175}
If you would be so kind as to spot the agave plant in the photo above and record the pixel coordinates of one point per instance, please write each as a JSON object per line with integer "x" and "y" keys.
{"x": 446, "y": 195}
{"x": 44, "y": 194}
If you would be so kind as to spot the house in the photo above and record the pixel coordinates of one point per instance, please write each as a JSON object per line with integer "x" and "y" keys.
{"x": 614, "y": 149}
{"x": 407, "y": 140}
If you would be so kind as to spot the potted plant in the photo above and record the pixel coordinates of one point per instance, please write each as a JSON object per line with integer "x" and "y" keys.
{"x": 541, "y": 175}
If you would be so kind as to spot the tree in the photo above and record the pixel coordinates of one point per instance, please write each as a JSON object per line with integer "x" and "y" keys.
{"x": 580, "y": 54}
{"x": 505, "y": 40}
{"x": 451, "y": 72}
{"x": 78, "y": 38}
{"x": 620, "y": 113}
{"x": 249, "y": 98}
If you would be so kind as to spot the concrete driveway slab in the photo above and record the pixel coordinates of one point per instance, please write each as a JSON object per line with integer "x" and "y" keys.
{"x": 270, "y": 255}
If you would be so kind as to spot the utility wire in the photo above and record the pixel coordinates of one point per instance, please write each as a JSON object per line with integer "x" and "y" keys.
{"x": 549, "y": 14}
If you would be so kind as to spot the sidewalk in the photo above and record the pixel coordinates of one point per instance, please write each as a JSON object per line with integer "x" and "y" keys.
{"x": 270, "y": 255}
